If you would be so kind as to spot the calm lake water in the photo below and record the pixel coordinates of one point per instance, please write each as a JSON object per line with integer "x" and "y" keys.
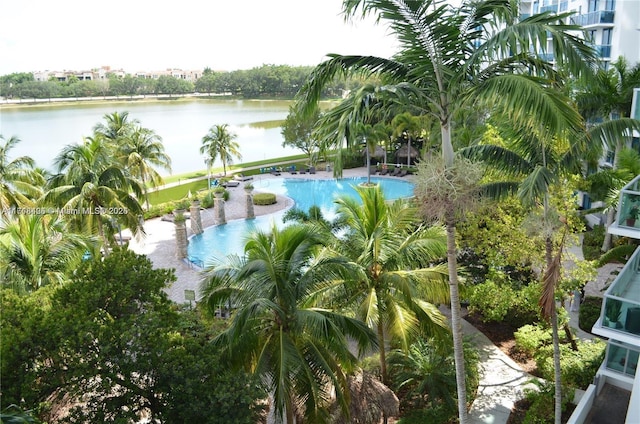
{"x": 45, "y": 130}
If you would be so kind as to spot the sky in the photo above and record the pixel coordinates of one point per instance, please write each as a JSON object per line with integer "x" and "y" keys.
{"x": 146, "y": 35}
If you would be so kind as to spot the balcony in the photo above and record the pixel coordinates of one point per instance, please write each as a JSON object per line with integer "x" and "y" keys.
{"x": 594, "y": 18}
{"x": 627, "y": 222}
{"x": 551, "y": 8}
{"x": 620, "y": 315}
{"x": 547, "y": 57}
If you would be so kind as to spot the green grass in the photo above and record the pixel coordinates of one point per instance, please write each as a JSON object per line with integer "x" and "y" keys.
{"x": 181, "y": 191}
{"x": 176, "y": 193}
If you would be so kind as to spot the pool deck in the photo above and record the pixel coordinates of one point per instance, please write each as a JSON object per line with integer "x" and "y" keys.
{"x": 159, "y": 245}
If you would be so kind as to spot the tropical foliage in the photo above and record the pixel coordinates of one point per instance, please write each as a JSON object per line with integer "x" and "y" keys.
{"x": 299, "y": 351}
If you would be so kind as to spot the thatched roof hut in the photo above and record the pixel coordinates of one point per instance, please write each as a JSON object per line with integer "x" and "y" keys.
{"x": 401, "y": 153}
{"x": 371, "y": 401}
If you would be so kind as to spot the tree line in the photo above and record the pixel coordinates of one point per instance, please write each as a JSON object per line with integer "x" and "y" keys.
{"x": 270, "y": 81}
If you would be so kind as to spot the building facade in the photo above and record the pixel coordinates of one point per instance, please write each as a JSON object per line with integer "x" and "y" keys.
{"x": 612, "y": 25}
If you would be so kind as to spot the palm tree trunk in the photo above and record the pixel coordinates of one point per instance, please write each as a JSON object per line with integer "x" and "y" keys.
{"x": 383, "y": 353}
{"x": 454, "y": 294}
{"x": 456, "y": 319}
{"x": 557, "y": 376}
{"x": 606, "y": 244}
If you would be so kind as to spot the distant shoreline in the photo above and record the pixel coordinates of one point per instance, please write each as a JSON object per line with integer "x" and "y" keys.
{"x": 147, "y": 98}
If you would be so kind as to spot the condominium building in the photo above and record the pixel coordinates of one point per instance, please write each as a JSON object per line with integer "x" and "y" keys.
{"x": 613, "y": 26}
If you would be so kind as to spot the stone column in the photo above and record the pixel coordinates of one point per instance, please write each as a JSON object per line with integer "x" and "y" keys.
{"x": 250, "y": 212}
{"x": 181, "y": 237}
{"x": 196, "y": 220}
{"x": 219, "y": 208}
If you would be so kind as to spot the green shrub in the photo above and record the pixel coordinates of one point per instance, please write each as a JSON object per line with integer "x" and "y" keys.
{"x": 577, "y": 367}
{"x": 491, "y": 300}
{"x": 592, "y": 243}
{"x": 500, "y": 302}
{"x": 158, "y": 210}
{"x": 589, "y": 312}
{"x": 530, "y": 338}
{"x": 264, "y": 199}
{"x": 542, "y": 401}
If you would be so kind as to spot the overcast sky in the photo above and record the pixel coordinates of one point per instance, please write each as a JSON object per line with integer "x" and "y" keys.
{"x": 37, "y": 35}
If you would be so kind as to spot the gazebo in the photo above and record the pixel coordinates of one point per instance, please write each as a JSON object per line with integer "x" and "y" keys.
{"x": 402, "y": 155}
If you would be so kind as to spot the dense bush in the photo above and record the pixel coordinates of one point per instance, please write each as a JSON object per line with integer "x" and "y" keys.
{"x": 530, "y": 338}
{"x": 500, "y": 302}
{"x": 264, "y": 199}
{"x": 578, "y": 368}
{"x": 592, "y": 243}
{"x": 542, "y": 402}
{"x": 589, "y": 312}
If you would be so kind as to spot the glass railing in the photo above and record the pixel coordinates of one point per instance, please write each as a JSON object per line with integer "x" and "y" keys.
{"x": 629, "y": 205}
{"x": 550, "y": 8}
{"x": 594, "y": 18}
{"x": 622, "y": 358}
{"x": 524, "y": 16}
{"x": 564, "y": 6}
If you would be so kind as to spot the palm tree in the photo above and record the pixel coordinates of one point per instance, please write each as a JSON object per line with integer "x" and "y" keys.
{"x": 94, "y": 191}
{"x": 141, "y": 153}
{"x": 394, "y": 254}
{"x": 38, "y": 250}
{"x": 472, "y": 56}
{"x": 18, "y": 180}
{"x": 609, "y": 96}
{"x": 117, "y": 127}
{"x": 532, "y": 167}
{"x": 371, "y": 135}
{"x": 300, "y": 351}
{"x": 219, "y": 143}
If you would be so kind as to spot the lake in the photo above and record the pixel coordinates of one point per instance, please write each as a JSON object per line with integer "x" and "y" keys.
{"x": 45, "y": 130}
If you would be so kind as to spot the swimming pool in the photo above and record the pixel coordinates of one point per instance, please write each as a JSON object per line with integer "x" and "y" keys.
{"x": 216, "y": 242}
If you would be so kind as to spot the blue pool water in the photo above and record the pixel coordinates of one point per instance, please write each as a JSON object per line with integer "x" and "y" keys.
{"x": 219, "y": 241}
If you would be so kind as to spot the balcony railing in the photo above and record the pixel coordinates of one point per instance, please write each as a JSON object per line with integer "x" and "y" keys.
{"x": 550, "y": 8}
{"x": 594, "y": 18}
{"x": 629, "y": 205}
{"x": 621, "y": 305}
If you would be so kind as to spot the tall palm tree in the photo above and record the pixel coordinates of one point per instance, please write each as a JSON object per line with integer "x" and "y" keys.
{"x": 531, "y": 166}
{"x": 609, "y": 96}
{"x": 38, "y": 250}
{"x": 219, "y": 142}
{"x": 451, "y": 58}
{"x": 394, "y": 253}
{"x": 141, "y": 153}
{"x": 371, "y": 136}
{"x": 19, "y": 182}
{"x": 94, "y": 190}
{"x": 300, "y": 351}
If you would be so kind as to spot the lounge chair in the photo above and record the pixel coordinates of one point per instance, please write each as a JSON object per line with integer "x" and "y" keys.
{"x": 312, "y": 170}
{"x": 384, "y": 171}
{"x": 241, "y": 177}
{"x": 274, "y": 171}
{"x": 403, "y": 173}
{"x": 395, "y": 172}
{"x": 231, "y": 184}
{"x": 293, "y": 169}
